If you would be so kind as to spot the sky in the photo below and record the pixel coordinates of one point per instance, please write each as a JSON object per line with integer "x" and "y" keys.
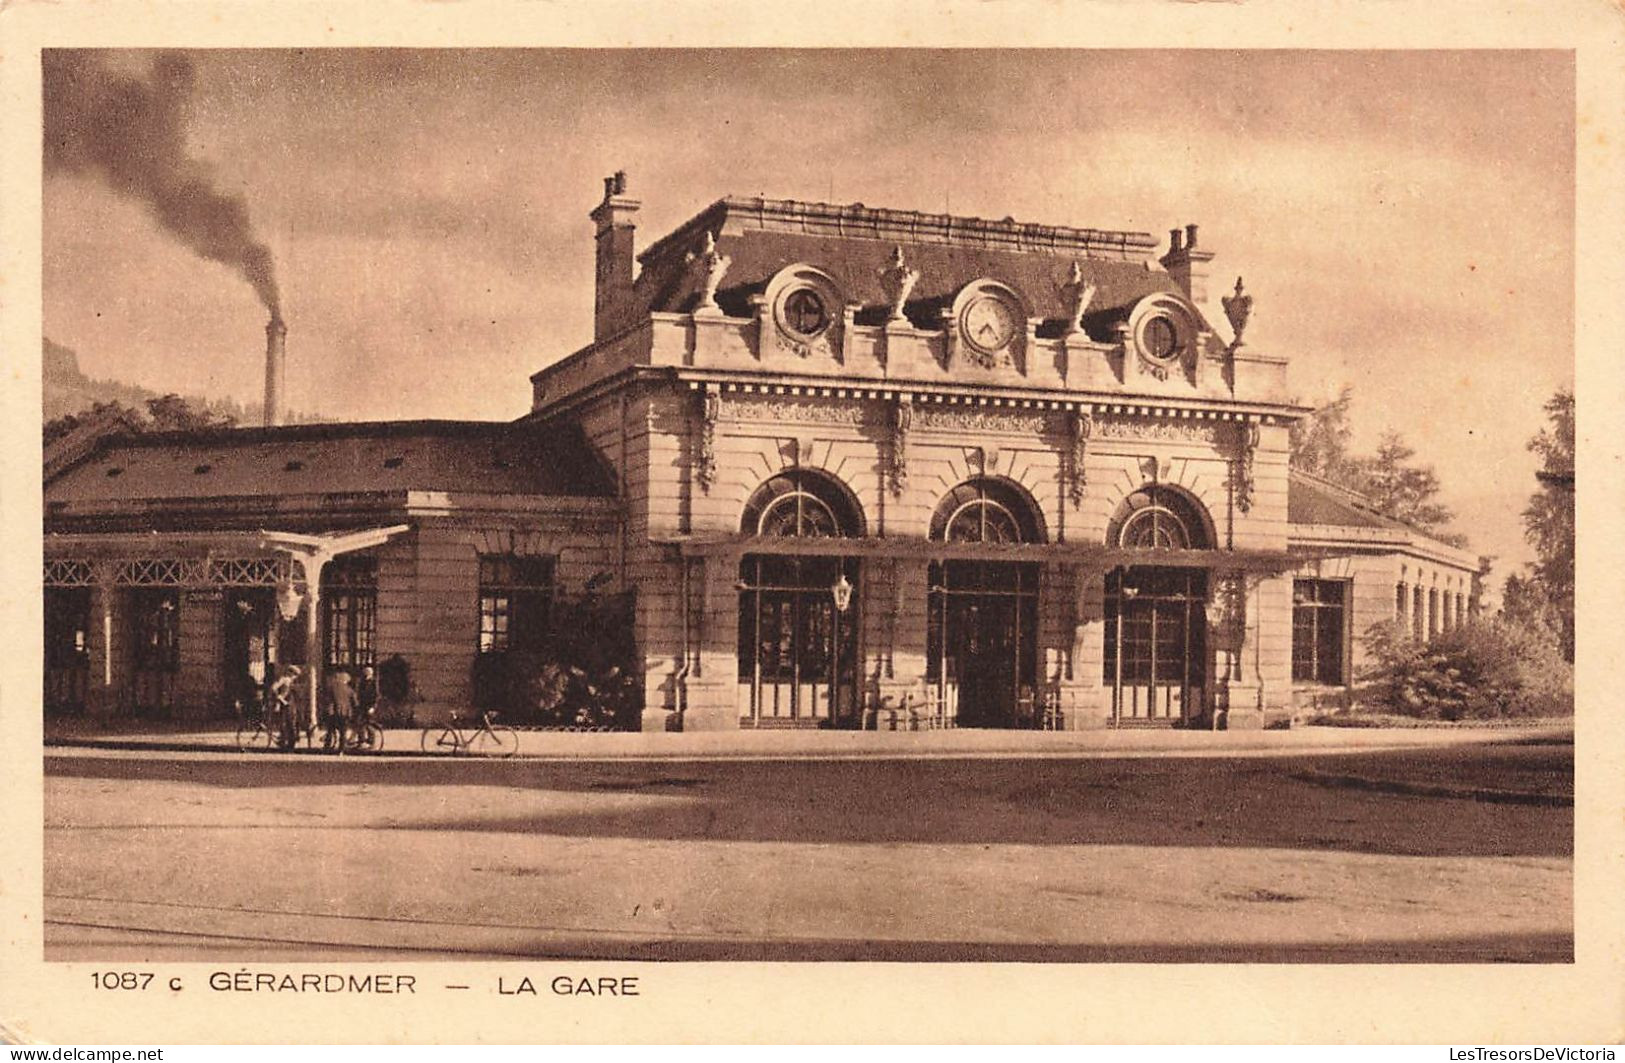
{"x": 1404, "y": 220}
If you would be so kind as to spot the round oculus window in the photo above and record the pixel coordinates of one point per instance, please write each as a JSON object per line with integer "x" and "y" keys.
{"x": 1159, "y": 338}
{"x": 803, "y": 312}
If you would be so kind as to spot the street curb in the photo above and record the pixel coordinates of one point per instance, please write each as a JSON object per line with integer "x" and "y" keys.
{"x": 136, "y": 746}
{"x": 1420, "y": 789}
{"x": 930, "y": 746}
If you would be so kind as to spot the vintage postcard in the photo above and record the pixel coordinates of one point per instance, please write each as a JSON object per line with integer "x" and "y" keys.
{"x": 972, "y": 523}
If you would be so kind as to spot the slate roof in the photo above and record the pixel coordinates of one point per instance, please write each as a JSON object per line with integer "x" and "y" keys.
{"x": 949, "y": 252}
{"x": 85, "y": 437}
{"x": 1311, "y": 500}
{"x": 358, "y": 457}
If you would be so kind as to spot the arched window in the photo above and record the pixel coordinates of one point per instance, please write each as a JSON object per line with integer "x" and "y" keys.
{"x": 986, "y": 511}
{"x": 803, "y": 503}
{"x": 1159, "y": 518}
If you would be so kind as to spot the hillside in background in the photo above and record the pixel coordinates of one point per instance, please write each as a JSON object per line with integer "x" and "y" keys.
{"x": 66, "y": 389}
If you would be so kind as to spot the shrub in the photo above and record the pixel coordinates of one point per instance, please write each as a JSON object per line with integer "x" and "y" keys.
{"x": 395, "y": 693}
{"x": 1485, "y": 670}
{"x": 583, "y": 674}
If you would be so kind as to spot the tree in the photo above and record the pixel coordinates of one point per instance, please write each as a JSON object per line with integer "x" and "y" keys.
{"x": 167, "y": 413}
{"x": 1525, "y": 603}
{"x": 1548, "y": 520}
{"x": 1320, "y": 442}
{"x": 171, "y": 413}
{"x": 1403, "y": 490}
{"x": 1390, "y": 479}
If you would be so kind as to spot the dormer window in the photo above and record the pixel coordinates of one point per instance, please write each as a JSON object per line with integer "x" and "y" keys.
{"x": 294, "y": 466}
{"x": 1161, "y": 339}
{"x": 394, "y": 463}
{"x": 1163, "y": 328}
{"x": 803, "y": 304}
{"x": 805, "y": 313}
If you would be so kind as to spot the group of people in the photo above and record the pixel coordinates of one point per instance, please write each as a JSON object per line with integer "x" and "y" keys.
{"x": 348, "y": 703}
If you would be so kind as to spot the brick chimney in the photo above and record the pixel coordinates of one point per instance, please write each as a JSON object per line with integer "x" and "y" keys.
{"x": 276, "y": 358}
{"x": 613, "y": 296}
{"x": 1187, "y": 265}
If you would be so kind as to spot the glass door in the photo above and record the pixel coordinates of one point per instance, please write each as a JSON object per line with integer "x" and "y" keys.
{"x": 1156, "y": 645}
{"x": 798, "y": 652}
{"x": 252, "y": 627}
{"x": 982, "y": 646}
{"x": 155, "y": 644}
{"x": 67, "y": 653}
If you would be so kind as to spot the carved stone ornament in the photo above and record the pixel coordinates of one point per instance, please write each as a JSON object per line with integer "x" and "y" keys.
{"x": 705, "y": 470}
{"x": 1250, "y": 436}
{"x": 975, "y": 420}
{"x": 897, "y": 281}
{"x": 796, "y": 451}
{"x": 805, "y": 411}
{"x": 1238, "y": 308}
{"x": 1170, "y": 431}
{"x": 902, "y": 421}
{"x": 1082, "y": 426}
{"x": 1078, "y": 293}
{"x": 712, "y": 266}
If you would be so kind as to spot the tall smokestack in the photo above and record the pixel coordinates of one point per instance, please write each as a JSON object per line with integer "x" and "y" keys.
{"x": 276, "y": 359}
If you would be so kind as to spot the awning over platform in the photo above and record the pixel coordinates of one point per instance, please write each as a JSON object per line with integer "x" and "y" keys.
{"x": 1088, "y": 555}
{"x": 234, "y": 558}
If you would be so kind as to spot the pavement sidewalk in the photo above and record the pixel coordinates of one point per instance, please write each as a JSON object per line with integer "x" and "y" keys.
{"x": 864, "y": 745}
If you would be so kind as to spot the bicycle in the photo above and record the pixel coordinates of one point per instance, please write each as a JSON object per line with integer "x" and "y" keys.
{"x": 255, "y": 732}
{"x": 269, "y": 730}
{"x": 357, "y": 736}
{"x": 484, "y": 740}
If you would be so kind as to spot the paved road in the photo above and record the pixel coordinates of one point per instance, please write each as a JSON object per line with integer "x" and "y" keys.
{"x": 189, "y": 857}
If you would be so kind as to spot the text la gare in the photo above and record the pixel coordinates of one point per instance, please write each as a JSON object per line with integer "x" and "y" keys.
{"x": 565, "y": 985}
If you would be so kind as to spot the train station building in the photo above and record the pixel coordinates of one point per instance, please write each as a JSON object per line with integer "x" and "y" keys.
{"x": 851, "y": 468}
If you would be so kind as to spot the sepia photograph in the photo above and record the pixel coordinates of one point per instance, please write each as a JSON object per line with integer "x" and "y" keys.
{"x": 616, "y": 507}
{"x": 697, "y": 561}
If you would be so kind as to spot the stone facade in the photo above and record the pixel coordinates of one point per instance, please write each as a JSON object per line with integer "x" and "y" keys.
{"x": 864, "y": 369}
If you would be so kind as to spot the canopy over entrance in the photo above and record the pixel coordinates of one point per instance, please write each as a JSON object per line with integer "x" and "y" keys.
{"x": 1090, "y": 555}
{"x": 312, "y": 553}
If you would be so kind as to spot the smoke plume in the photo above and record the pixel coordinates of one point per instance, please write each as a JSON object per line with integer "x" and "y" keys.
{"x": 130, "y": 131}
